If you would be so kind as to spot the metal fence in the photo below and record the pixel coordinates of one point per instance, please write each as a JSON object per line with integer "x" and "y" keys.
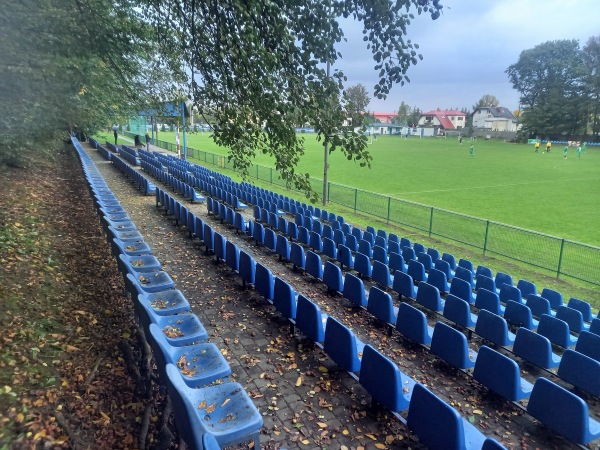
{"x": 561, "y": 256}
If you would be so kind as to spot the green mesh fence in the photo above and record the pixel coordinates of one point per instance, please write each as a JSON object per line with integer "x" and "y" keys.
{"x": 459, "y": 227}
{"x": 569, "y": 258}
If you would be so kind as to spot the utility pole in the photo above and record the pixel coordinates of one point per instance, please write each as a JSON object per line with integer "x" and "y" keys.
{"x": 325, "y": 157}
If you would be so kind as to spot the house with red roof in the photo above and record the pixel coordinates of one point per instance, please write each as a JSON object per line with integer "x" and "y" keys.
{"x": 384, "y": 117}
{"x": 443, "y": 119}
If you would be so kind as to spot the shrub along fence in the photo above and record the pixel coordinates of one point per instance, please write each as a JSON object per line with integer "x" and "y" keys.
{"x": 562, "y": 256}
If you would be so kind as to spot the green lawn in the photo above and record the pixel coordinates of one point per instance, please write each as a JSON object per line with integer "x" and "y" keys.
{"x": 504, "y": 182}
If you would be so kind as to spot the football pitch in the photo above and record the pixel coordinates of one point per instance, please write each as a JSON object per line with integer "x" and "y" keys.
{"x": 503, "y": 182}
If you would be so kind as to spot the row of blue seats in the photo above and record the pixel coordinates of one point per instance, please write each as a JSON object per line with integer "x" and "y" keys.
{"x": 130, "y": 154}
{"x": 140, "y": 181}
{"x": 188, "y": 366}
{"x": 264, "y": 288}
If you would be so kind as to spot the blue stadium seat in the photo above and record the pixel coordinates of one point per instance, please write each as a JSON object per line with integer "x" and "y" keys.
{"x": 219, "y": 247}
{"x": 369, "y": 237}
{"x": 404, "y": 286}
{"x": 282, "y": 225}
{"x": 444, "y": 266}
{"x": 396, "y": 263}
{"x": 465, "y": 275}
{"x": 384, "y": 381}
{"x": 466, "y": 264}
{"x": 381, "y": 274}
{"x": 573, "y": 318}
{"x": 581, "y": 371}
{"x": 344, "y": 257}
{"x": 462, "y": 289}
{"x": 314, "y": 266}
{"x": 352, "y": 242}
{"x": 583, "y": 307}
{"x": 419, "y": 248}
{"x": 554, "y": 297}
{"x": 284, "y": 299}
{"x": 309, "y": 319}
{"x": 233, "y": 420}
{"x": 438, "y": 425}
{"x": 292, "y": 231}
{"x": 489, "y": 301}
{"x": 332, "y": 277}
{"x": 589, "y": 344}
{"x": 247, "y": 268}
{"x": 435, "y": 255}
{"x": 508, "y": 292}
{"x": 493, "y": 328}
{"x": 270, "y": 239}
{"x": 329, "y": 248}
{"x": 362, "y": 265}
{"x": 417, "y": 271}
{"x": 538, "y": 305}
{"x": 380, "y": 254}
{"x": 263, "y": 282}
{"x": 485, "y": 282}
{"x": 449, "y": 258}
{"x": 485, "y": 271}
{"x": 297, "y": 256}
{"x": 429, "y": 297}
{"x": 365, "y": 248}
{"x": 405, "y": 242}
{"x": 381, "y": 305}
{"x": 458, "y": 311}
{"x": 232, "y": 256}
{"x": 380, "y": 242}
{"x": 519, "y": 315}
{"x": 259, "y": 233}
{"x": 526, "y": 288}
{"x": 408, "y": 254}
{"x": 282, "y": 248}
{"x": 426, "y": 260}
{"x": 595, "y": 327}
{"x": 327, "y": 232}
{"x": 199, "y": 364}
{"x": 451, "y": 346}
{"x": 438, "y": 279}
{"x": 412, "y": 324}
{"x": 342, "y": 346}
{"x": 338, "y": 237}
{"x": 502, "y": 279}
{"x": 357, "y": 233}
{"x": 501, "y": 375}
{"x": 563, "y": 412}
{"x": 535, "y": 348}
{"x": 354, "y": 290}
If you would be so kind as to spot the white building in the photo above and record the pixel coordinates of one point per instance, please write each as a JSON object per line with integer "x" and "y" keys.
{"x": 494, "y": 118}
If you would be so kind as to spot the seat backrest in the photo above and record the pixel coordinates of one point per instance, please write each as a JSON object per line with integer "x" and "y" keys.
{"x": 270, "y": 239}
{"x": 508, "y": 292}
{"x": 381, "y": 274}
{"x": 436, "y": 423}
{"x": 503, "y": 278}
{"x": 303, "y": 235}
{"x": 351, "y": 242}
{"x": 332, "y": 277}
{"x": 485, "y": 282}
{"x": 247, "y": 268}
{"x": 408, "y": 253}
{"x": 284, "y": 299}
{"x": 449, "y": 258}
{"x": 458, "y": 311}
{"x": 313, "y": 265}
{"x": 345, "y": 257}
{"x": 380, "y": 305}
{"x": 419, "y": 248}
{"x": 327, "y": 232}
{"x": 554, "y": 297}
{"x": 538, "y": 305}
{"x": 559, "y": 410}
{"x": 403, "y": 284}
{"x": 405, "y": 242}
{"x": 556, "y": 330}
{"x": 283, "y": 247}
{"x": 282, "y": 225}
{"x": 297, "y": 256}
{"x": 412, "y": 324}
{"x": 581, "y": 371}
{"x": 393, "y": 238}
{"x": 219, "y": 246}
{"x": 263, "y": 282}
{"x": 462, "y": 289}
{"x": 357, "y": 233}
{"x": 314, "y": 241}
{"x": 429, "y": 297}
{"x": 498, "y": 373}
{"x": 329, "y": 248}
{"x": 488, "y": 300}
{"x": 365, "y": 247}
{"x": 572, "y": 317}
{"x": 444, "y": 266}
{"x": 464, "y": 274}
{"x": 435, "y": 255}
{"x": 526, "y": 288}
{"x": 369, "y": 237}
{"x": 232, "y": 256}
{"x": 485, "y": 271}
{"x": 583, "y": 307}
{"x": 533, "y": 347}
{"x": 426, "y": 260}
{"x": 394, "y": 247}
{"x": 258, "y": 233}
{"x": 354, "y": 290}
{"x": 362, "y": 264}
{"x": 381, "y": 241}
{"x": 383, "y": 380}
{"x": 380, "y": 254}
{"x": 518, "y": 315}
{"x": 451, "y": 346}
{"x": 438, "y": 279}
{"x": 416, "y": 270}
{"x": 339, "y": 237}
{"x": 466, "y": 264}
{"x": 340, "y": 345}
{"x": 309, "y": 319}
{"x": 588, "y": 344}
{"x": 492, "y": 327}
{"x": 396, "y": 262}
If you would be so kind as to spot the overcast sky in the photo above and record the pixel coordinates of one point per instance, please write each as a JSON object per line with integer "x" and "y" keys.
{"x": 467, "y": 50}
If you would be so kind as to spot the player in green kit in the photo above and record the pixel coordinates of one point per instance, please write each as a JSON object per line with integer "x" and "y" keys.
{"x": 579, "y": 151}
{"x": 471, "y": 151}
{"x": 584, "y": 147}
{"x": 566, "y": 150}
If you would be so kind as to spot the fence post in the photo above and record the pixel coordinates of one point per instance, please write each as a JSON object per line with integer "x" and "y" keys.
{"x": 271, "y": 175}
{"x": 487, "y": 228}
{"x": 560, "y": 256}
{"x": 430, "y": 221}
{"x": 355, "y": 198}
{"x": 389, "y": 206}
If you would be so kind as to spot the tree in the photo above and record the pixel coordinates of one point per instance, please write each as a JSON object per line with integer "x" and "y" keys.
{"x": 486, "y": 100}
{"x": 70, "y": 65}
{"x": 404, "y": 112}
{"x": 591, "y": 61}
{"x": 414, "y": 116}
{"x": 261, "y": 66}
{"x": 549, "y": 78}
{"x": 357, "y": 100}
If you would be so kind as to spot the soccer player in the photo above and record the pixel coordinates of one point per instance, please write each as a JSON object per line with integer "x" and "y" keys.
{"x": 579, "y": 151}
{"x": 537, "y": 146}
{"x": 471, "y": 151}
{"x": 548, "y": 146}
{"x": 566, "y": 150}
{"x": 584, "y": 147}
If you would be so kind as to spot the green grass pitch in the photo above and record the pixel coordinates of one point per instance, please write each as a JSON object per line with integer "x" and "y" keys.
{"x": 504, "y": 182}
